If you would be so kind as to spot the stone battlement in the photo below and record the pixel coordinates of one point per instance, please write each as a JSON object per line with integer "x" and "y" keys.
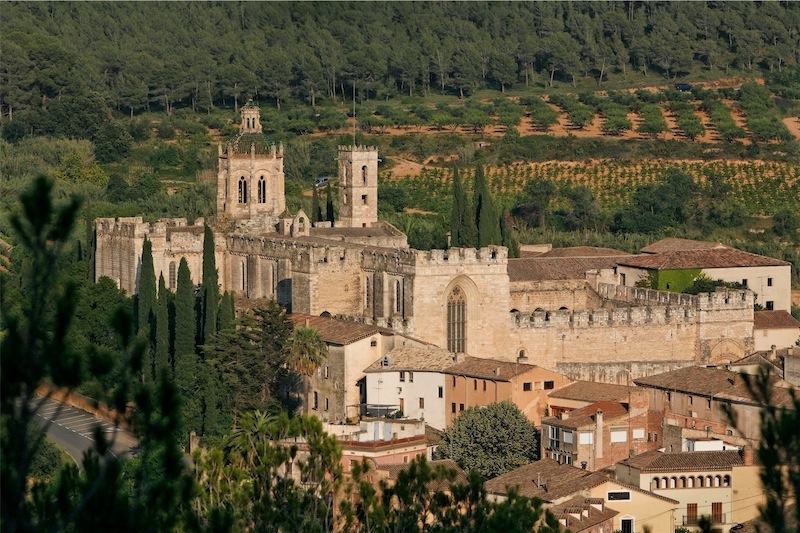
{"x": 463, "y": 256}
{"x": 605, "y": 318}
{"x": 359, "y": 148}
{"x": 721, "y": 299}
{"x": 135, "y": 227}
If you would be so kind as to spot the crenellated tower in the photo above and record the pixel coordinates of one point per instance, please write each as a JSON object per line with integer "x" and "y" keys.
{"x": 250, "y": 179}
{"x": 358, "y": 186}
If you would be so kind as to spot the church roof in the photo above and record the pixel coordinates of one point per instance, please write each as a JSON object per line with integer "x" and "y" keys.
{"x": 477, "y": 367}
{"x": 582, "y": 251}
{"x": 242, "y": 142}
{"x": 557, "y": 268}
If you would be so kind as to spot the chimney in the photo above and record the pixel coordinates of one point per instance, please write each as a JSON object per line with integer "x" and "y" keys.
{"x": 747, "y": 456}
{"x": 774, "y": 351}
{"x": 598, "y": 437}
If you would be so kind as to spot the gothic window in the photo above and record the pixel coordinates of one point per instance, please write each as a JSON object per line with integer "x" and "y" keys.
{"x": 456, "y": 320}
{"x": 262, "y": 190}
{"x": 172, "y": 276}
{"x": 242, "y": 190}
{"x": 244, "y": 276}
{"x": 364, "y": 173}
{"x": 367, "y": 293}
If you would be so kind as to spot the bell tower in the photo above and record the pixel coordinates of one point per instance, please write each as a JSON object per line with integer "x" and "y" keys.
{"x": 358, "y": 186}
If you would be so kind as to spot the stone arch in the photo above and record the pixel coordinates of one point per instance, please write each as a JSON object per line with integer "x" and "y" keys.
{"x": 726, "y": 350}
{"x": 325, "y": 314}
{"x": 459, "y": 308}
{"x": 242, "y": 190}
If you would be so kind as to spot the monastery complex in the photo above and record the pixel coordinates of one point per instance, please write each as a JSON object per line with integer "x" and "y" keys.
{"x": 576, "y": 311}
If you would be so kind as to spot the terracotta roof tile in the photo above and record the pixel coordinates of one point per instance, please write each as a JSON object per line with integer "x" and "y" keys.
{"x": 413, "y": 358}
{"x": 674, "y": 244}
{"x": 713, "y": 258}
{"x": 774, "y": 320}
{"x": 476, "y": 367}
{"x": 685, "y": 461}
{"x": 335, "y": 331}
{"x": 588, "y": 516}
{"x": 711, "y": 382}
{"x": 585, "y": 416}
{"x": 589, "y": 391}
{"x": 554, "y": 268}
{"x": 583, "y": 251}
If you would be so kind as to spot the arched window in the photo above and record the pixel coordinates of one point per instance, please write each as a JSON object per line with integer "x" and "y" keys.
{"x": 717, "y": 481}
{"x": 700, "y": 483}
{"x": 244, "y": 276}
{"x": 690, "y": 482}
{"x": 262, "y": 190}
{"x": 172, "y": 275}
{"x": 656, "y": 484}
{"x": 726, "y": 481}
{"x": 664, "y": 483}
{"x": 364, "y": 173}
{"x": 242, "y": 190}
{"x": 673, "y": 482}
{"x": 367, "y": 293}
{"x": 682, "y": 482}
{"x": 398, "y": 297}
{"x": 456, "y": 320}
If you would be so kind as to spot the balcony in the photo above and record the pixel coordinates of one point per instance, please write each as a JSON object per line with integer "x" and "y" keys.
{"x": 718, "y": 518}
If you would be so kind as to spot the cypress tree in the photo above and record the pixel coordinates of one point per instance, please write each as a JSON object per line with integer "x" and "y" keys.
{"x": 329, "y": 203}
{"x": 184, "y": 312}
{"x": 462, "y": 221}
{"x": 316, "y": 214}
{"x": 210, "y": 303}
{"x": 226, "y": 312}
{"x": 486, "y": 217}
{"x": 508, "y": 239}
{"x": 162, "y": 326}
{"x": 146, "y": 303}
{"x": 186, "y": 361}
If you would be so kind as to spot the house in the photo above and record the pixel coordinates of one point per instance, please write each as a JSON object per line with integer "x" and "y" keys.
{"x": 585, "y": 515}
{"x": 694, "y": 403}
{"x": 338, "y": 387}
{"x": 600, "y": 434}
{"x": 433, "y": 384}
{"x": 777, "y": 329}
{"x": 674, "y": 264}
{"x": 380, "y": 441}
{"x": 558, "y": 484}
{"x": 584, "y": 393}
{"x": 724, "y": 485}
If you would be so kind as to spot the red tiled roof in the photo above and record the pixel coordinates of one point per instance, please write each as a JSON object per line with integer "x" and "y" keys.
{"x": 583, "y": 251}
{"x": 685, "y": 461}
{"x": 476, "y": 367}
{"x": 589, "y": 391}
{"x": 413, "y": 358}
{"x": 774, "y": 320}
{"x": 335, "y": 331}
{"x": 714, "y": 258}
{"x": 711, "y": 382}
{"x": 580, "y": 515}
{"x": 585, "y": 416}
{"x": 554, "y": 268}
{"x": 674, "y": 244}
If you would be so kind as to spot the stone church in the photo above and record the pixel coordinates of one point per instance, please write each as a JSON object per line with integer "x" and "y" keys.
{"x": 562, "y": 310}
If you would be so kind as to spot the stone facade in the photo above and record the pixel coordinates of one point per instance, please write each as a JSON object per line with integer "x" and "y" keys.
{"x": 362, "y": 270}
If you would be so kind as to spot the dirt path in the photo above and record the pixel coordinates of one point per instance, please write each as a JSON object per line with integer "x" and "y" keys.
{"x": 793, "y": 125}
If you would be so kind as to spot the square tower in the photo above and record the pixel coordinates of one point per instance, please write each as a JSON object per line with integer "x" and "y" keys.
{"x": 250, "y": 179}
{"x": 358, "y": 186}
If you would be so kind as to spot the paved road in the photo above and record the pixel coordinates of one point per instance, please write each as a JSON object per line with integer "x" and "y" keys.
{"x": 72, "y": 429}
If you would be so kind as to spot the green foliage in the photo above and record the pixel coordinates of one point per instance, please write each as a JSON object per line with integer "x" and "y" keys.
{"x": 491, "y": 440}
{"x": 654, "y": 207}
{"x": 700, "y": 284}
{"x": 146, "y": 303}
{"x": 210, "y": 287}
{"x": 46, "y": 461}
{"x": 487, "y": 219}
{"x": 463, "y": 230}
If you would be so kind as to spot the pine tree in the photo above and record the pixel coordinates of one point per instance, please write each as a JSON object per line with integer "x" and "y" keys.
{"x": 486, "y": 217}
{"x": 210, "y": 288}
{"x": 147, "y": 303}
{"x": 329, "y": 203}
{"x": 162, "y": 326}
